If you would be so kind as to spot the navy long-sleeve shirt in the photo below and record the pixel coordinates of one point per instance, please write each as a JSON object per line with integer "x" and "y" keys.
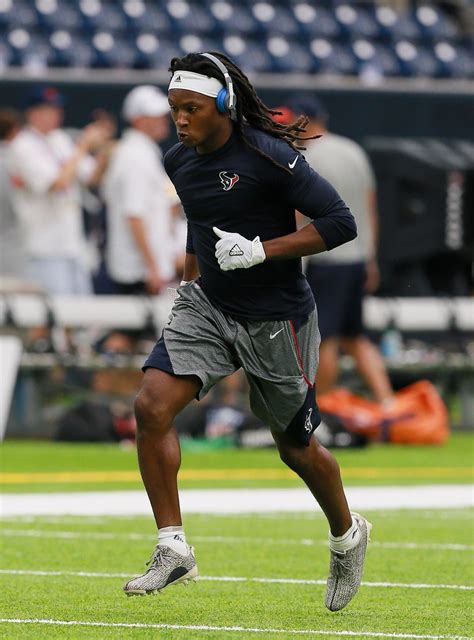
{"x": 237, "y": 190}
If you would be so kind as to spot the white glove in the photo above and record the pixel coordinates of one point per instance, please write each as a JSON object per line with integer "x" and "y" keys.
{"x": 233, "y": 251}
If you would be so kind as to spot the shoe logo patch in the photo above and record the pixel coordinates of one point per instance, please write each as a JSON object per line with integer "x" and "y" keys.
{"x": 307, "y": 423}
{"x": 274, "y": 335}
{"x": 227, "y": 180}
{"x": 293, "y": 164}
{"x": 236, "y": 251}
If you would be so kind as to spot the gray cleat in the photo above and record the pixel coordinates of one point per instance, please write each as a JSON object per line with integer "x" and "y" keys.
{"x": 167, "y": 567}
{"x": 345, "y": 570}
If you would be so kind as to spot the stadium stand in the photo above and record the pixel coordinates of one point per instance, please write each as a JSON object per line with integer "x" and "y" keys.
{"x": 364, "y": 38}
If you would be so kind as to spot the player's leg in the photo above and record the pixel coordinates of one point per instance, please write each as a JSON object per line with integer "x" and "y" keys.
{"x": 349, "y": 531}
{"x": 161, "y": 397}
{"x": 282, "y": 395}
{"x": 280, "y": 360}
{"x": 318, "y": 468}
{"x": 191, "y": 356}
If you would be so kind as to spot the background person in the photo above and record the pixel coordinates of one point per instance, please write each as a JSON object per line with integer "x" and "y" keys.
{"x": 140, "y": 248}
{"x": 45, "y": 168}
{"x": 340, "y": 278}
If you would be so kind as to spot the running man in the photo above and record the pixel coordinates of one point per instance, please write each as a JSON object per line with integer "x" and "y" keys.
{"x": 244, "y": 303}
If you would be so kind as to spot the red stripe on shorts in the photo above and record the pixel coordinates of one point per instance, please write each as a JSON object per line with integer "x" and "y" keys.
{"x": 298, "y": 353}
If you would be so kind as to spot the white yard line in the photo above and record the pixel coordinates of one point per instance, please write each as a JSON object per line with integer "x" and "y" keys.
{"x": 465, "y": 513}
{"x": 94, "y": 574}
{"x": 108, "y": 535}
{"x": 443, "y": 513}
{"x": 205, "y": 627}
{"x": 235, "y": 500}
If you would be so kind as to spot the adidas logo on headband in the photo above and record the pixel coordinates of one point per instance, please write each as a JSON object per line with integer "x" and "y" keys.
{"x": 195, "y": 82}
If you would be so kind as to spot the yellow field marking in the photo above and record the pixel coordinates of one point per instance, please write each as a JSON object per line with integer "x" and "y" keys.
{"x": 72, "y": 477}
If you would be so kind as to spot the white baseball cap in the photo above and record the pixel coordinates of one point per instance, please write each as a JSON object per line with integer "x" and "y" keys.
{"x": 145, "y": 100}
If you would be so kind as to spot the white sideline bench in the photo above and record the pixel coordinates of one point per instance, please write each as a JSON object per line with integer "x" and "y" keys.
{"x": 105, "y": 312}
{"x": 133, "y": 312}
{"x": 420, "y": 314}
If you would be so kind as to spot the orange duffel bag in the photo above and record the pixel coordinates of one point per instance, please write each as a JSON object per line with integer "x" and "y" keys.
{"x": 418, "y": 415}
{"x": 357, "y": 414}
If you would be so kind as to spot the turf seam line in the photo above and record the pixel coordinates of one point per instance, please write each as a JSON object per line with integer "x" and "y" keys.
{"x": 105, "y": 535}
{"x": 270, "y": 473}
{"x": 297, "y": 581}
{"x": 448, "y": 513}
{"x": 203, "y": 627}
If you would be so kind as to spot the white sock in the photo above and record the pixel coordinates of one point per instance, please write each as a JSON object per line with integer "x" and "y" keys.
{"x": 347, "y": 541}
{"x": 173, "y": 537}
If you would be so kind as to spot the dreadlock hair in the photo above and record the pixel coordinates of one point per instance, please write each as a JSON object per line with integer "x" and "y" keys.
{"x": 250, "y": 109}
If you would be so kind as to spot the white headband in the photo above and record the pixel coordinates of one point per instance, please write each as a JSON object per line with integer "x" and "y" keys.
{"x": 191, "y": 81}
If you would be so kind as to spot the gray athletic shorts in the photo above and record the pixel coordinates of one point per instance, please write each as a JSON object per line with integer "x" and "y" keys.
{"x": 279, "y": 358}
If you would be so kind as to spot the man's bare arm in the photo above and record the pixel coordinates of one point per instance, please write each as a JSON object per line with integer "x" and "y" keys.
{"x": 191, "y": 269}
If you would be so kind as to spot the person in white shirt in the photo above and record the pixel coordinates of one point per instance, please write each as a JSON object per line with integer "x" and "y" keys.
{"x": 45, "y": 167}
{"x": 139, "y": 198}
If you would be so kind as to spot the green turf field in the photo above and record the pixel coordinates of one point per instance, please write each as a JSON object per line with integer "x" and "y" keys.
{"x": 262, "y": 575}
{"x": 416, "y": 575}
{"x": 45, "y": 466}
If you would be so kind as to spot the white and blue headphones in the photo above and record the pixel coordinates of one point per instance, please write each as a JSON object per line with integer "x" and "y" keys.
{"x": 226, "y": 100}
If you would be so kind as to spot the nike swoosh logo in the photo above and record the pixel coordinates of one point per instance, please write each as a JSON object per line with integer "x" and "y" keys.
{"x": 292, "y": 164}
{"x": 274, "y": 335}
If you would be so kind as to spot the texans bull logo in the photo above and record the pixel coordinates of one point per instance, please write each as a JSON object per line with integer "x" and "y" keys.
{"x": 228, "y": 181}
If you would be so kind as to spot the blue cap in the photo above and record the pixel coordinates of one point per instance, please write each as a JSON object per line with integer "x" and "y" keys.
{"x": 44, "y": 95}
{"x": 309, "y": 106}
